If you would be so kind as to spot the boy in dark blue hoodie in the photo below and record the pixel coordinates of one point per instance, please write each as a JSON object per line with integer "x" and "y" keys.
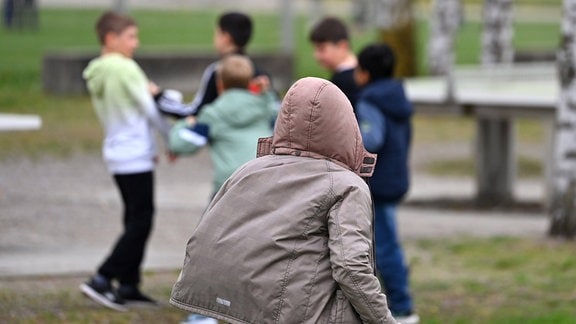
{"x": 384, "y": 115}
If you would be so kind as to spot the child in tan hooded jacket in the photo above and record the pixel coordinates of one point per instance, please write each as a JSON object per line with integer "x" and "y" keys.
{"x": 288, "y": 237}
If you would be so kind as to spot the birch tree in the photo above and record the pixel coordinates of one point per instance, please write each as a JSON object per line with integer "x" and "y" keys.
{"x": 498, "y": 32}
{"x": 445, "y": 20}
{"x": 563, "y": 207}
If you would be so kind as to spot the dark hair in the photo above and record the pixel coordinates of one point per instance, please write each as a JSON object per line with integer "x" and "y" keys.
{"x": 378, "y": 60}
{"x": 238, "y": 26}
{"x": 329, "y": 29}
{"x": 112, "y": 22}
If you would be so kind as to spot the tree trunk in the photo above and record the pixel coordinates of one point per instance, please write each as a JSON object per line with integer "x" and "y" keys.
{"x": 498, "y": 32}
{"x": 563, "y": 211}
{"x": 445, "y": 20}
{"x": 395, "y": 22}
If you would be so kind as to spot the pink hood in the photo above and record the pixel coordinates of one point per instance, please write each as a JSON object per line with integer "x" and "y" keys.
{"x": 316, "y": 120}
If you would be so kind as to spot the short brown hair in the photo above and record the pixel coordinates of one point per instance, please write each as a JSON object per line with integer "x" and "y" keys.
{"x": 329, "y": 29}
{"x": 112, "y": 22}
{"x": 235, "y": 71}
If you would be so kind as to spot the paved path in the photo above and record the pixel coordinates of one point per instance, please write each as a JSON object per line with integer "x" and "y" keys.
{"x": 61, "y": 216}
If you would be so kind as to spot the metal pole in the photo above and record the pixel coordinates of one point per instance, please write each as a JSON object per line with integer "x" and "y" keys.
{"x": 316, "y": 11}
{"x": 287, "y": 16}
{"x": 121, "y": 6}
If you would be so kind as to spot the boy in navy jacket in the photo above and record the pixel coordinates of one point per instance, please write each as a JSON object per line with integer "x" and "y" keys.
{"x": 384, "y": 115}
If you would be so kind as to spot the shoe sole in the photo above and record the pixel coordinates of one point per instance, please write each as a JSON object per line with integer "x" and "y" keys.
{"x": 95, "y": 296}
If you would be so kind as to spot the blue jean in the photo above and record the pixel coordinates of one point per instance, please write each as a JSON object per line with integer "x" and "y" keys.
{"x": 390, "y": 259}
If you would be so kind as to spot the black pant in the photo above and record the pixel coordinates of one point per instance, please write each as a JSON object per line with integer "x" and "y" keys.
{"x": 137, "y": 191}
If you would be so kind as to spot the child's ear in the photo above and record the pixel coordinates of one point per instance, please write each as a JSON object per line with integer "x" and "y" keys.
{"x": 227, "y": 37}
{"x": 110, "y": 39}
{"x": 361, "y": 76}
{"x": 343, "y": 44}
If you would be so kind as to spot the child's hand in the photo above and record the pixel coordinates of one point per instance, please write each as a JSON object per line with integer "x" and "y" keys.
{"x": 153, "y": 88}
{"x": 259, "y": 84}
{"x": 191, "y": 120}
{"x": 172, "y": 157}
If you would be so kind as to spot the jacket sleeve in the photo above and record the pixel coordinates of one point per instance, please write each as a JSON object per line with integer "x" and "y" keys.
{"x": 136, "y": 84}
{"x": 372, "y": 124}
{"x": 207, "y": 92}
{"x": 272, "y": 105}
{"x": 186, "y": 140}
{"x": 350, "y": 244}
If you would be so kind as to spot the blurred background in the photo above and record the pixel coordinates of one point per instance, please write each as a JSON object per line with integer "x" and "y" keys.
{"x": 469, "y": 263}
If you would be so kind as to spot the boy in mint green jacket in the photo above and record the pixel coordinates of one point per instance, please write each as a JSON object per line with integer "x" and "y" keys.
{"x": 233, "y": 123}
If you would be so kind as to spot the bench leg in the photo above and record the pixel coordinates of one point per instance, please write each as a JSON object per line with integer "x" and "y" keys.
{"x": 495, "y": 160}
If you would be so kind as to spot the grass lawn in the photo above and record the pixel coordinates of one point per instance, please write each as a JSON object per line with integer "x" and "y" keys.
{"x": 496, "y": 280}
{"x": 462, "y": 280}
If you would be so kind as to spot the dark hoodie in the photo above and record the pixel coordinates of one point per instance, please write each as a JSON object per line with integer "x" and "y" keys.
{"x": 384, "y": 115}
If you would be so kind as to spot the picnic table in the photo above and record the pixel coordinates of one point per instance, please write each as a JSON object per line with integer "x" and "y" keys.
{"x": 19, "y": 122}
{"x": 495, "y": 96}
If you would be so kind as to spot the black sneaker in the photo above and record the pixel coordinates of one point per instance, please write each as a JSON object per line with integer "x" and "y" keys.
{"x": 131, "y": 294}
{"x": 103, "y": 293}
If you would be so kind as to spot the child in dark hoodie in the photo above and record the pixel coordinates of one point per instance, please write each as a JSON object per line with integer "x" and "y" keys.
{"x": 384, "y": 115}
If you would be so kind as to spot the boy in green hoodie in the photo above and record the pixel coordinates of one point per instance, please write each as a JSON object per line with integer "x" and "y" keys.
{"x": 233, "y": 123}
{"x": 121, "y": 97}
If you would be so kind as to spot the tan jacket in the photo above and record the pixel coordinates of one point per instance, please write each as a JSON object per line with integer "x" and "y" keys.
{"x": 288, "y": 238}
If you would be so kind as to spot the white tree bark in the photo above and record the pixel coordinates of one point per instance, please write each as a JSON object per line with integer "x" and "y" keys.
{"x": 445, "y": 20}
{"x": 498, "y": 32}
{"x": 389, "y": 14}
{"x": 563, "y": 211}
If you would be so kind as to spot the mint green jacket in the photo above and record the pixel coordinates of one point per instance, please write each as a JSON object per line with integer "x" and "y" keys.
{"x": 235, "y": 120}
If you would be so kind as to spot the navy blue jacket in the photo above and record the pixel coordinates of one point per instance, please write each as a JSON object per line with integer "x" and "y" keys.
{"x": 384, "y": 115}
{"x": 344, "y": 80}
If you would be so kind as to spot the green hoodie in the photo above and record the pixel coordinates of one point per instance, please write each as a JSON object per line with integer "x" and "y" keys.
{"x": 127, "y": 112}
{"x": 235, "y": 120}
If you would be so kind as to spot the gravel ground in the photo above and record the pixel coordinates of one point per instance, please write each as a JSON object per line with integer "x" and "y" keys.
{"x": 62, "y": 215}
